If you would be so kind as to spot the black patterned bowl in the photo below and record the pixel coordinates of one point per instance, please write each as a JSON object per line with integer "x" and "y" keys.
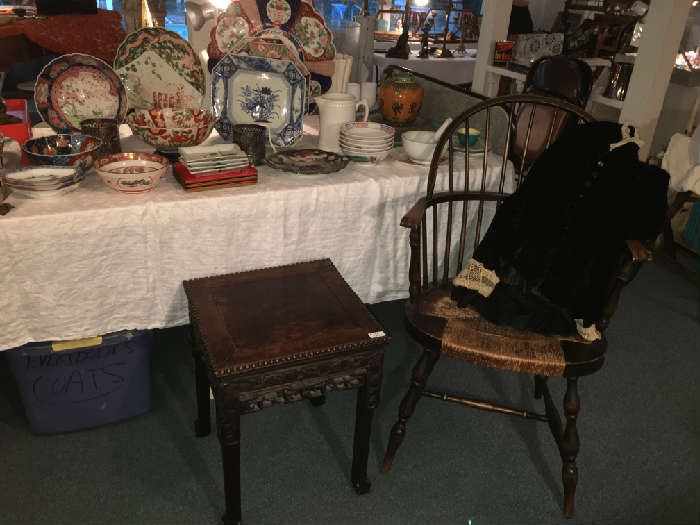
{"x": 62, "y": 150}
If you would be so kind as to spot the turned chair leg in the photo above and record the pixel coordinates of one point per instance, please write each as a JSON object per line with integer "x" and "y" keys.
{"x": 408, "y": 404}
{"x": 318, "y": 401}
{"x": 569, "y": 445}
{"x": 539, "y": 386}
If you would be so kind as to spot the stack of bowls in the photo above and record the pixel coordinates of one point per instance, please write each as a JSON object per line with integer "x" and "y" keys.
{"x": 44, "y": 182}
{"x": 370, "y": 140}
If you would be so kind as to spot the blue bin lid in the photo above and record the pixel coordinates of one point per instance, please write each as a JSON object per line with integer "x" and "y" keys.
{"x": 113, "y": 338}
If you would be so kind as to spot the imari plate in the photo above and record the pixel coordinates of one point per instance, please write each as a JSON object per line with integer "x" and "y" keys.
{"x": 256, "y": 90}
{"x": 308, "y": 161}
{"x": 246, "y": 25}
{"x": 310, "y": 29}
{"x": 232, "y": 30}
{"x": 76, "y": 87}
{"x": 160, "y": 69}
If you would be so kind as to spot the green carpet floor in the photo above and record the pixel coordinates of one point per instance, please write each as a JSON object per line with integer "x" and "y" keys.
{"x": 639, "y": 427}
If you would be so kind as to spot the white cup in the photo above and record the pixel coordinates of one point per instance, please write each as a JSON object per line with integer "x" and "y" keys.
{"x": 355, "y": 90}
{"x": 369, "y": 93}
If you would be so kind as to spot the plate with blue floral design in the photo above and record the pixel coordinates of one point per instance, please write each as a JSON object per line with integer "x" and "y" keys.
{"x": 257, "y": 90}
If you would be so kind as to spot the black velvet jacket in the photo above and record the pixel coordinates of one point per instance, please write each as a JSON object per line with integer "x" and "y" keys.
{"x": 556, "y": 241}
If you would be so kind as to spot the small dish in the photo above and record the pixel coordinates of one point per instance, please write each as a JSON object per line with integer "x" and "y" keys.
{"x": 474, "y": 135}
{"x": 201, "y": 153}
{"x": 132, "y": 173}
{"x": 46, "y": 194}
{"x": 370, "y": 156}
{"x": 44, "y": 182}
{"x": 308, "y": 161}
{"x": 367, "y": 131}
{"x": 43, "y": 176}
{"x": 361, "y": 144}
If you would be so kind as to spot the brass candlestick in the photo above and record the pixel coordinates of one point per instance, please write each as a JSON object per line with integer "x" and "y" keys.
{"x": 402, "y": 49}
{"x": 462, "y": 26}
{"x": 444, "y": 52}
{"x": 424, "y": 41}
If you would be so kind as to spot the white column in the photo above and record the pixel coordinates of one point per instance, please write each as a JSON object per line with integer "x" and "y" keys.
{"x": 494, "y": 26}
{"x": 663, "y": 29}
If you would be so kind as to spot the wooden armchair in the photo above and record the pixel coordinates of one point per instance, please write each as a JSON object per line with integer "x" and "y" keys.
{"x": 444, "y": 229}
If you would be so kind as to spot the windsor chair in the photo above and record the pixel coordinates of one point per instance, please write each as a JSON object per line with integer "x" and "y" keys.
{"x": 444, "y": 229}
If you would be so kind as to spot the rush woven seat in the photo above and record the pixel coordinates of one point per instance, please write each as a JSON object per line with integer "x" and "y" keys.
{"x": 464, "y": 334}
{"x": 445, "y": 228}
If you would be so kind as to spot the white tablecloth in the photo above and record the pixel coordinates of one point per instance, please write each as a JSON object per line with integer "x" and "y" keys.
{"x": 457, "y": 70}
{"x": 97, "y": 261}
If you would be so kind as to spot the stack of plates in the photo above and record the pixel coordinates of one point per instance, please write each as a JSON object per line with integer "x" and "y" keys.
{"x": 370, "y": 140}
{"x": 208, "y": 159}
{"x": 44, "y": 182}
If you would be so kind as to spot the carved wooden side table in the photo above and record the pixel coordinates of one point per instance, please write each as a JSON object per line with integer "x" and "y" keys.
{"x": 279, "y": 335}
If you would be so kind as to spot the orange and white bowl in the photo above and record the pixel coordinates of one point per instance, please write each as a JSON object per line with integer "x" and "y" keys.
{"x": 132, "y": 173}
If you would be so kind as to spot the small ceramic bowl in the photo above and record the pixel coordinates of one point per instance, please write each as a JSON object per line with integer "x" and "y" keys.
{"x": 419, "y": 145}
{"x": 168, "y": 129}
{"x": 474, "y": 135}
{"x": 62, "y": 150}
{"x": 132, "y": 173}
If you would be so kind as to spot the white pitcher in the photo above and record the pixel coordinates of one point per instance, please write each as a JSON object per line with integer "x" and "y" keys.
{"x": 336, "y": 109}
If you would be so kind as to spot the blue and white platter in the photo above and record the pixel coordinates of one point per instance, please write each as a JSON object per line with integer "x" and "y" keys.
{"x": 258, "y": 90}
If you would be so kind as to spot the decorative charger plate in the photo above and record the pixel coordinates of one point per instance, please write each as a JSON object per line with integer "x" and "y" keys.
{"x": 293, "y": 22}
{"x": 246, "y": 18}
{"x": 311, "y": 31}
{"x": 256, "y": 90}
{"x": 160, "y": 69}
{"x": 75, "y": 87}
{"x": 308, "y": 161}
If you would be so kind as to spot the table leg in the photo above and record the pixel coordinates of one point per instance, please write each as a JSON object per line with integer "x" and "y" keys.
{"x": 367, "y": 401}
{"x": 229, "y": 432}
{"x": 202, "y": 425}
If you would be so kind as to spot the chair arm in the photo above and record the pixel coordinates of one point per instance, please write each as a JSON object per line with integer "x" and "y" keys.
{"x": 414, "y": 216}
{"x": 630, "y": 262}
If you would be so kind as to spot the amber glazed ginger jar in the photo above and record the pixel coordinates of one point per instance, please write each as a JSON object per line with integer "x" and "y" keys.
{"x": 400, "y": 98}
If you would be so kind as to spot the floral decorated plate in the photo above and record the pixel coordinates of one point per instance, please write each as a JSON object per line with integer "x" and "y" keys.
{"x": 256, "y": 90}
{"x": 310, "y": 29}
{"x": 160, "y": 69}
{"x": 232, "y": 31}
{"x": 307, "y": 161}
{"x": 246, "y": 23}
{"x": 76, "y": 87}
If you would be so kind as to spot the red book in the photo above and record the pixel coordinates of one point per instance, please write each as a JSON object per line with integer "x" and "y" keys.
{"x": 187, "y": 178}
{"x": 224, "y": 179}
